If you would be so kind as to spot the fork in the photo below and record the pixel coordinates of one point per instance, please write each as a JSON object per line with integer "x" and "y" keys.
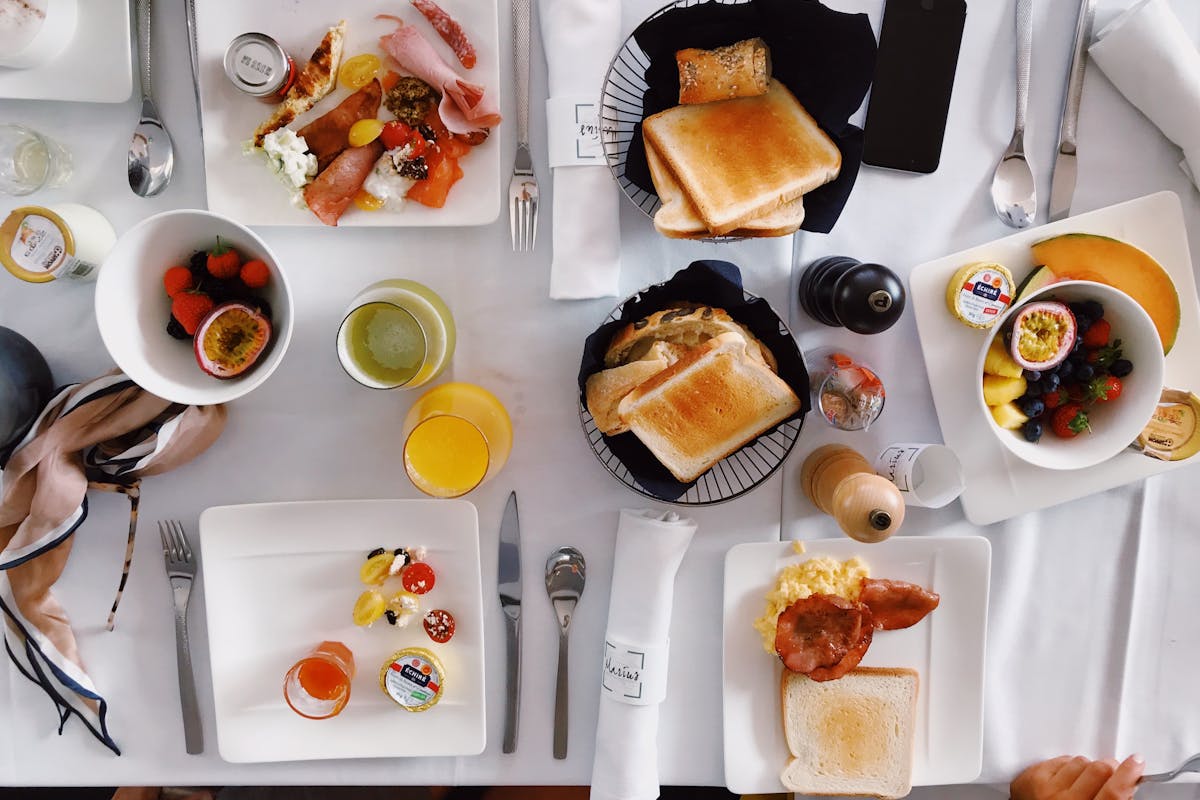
{"x": 523, "y": 188}
{"x": 181, "y": 570}
{"x": 1191, "y": 765}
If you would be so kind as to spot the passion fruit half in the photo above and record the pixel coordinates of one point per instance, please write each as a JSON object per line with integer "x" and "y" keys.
{"x": 230, "y": 339}
{"x": 1043, "y": 334}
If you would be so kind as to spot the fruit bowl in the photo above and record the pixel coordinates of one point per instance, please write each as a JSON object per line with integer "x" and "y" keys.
{"x": 132, "y": 307}
{"x": 1113, "y": 424}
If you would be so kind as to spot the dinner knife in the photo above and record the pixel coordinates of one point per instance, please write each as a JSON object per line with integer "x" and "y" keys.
{"x": 1062, "y": 186}
{"x": 510, "y": 603}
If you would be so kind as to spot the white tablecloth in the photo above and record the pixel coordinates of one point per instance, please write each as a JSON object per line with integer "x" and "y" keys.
{"x": 1067, "y": 669}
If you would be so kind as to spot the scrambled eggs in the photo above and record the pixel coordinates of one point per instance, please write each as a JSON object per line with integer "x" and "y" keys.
{"x": 814, "y": 576}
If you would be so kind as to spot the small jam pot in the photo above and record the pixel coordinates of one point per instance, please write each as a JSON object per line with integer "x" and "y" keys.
{"x": 259, "y": 66}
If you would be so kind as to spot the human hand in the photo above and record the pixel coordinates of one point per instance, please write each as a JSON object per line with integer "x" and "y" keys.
{"x": 1078, "y": 778}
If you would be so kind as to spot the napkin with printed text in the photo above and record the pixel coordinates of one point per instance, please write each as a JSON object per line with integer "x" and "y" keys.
{"x": 650, "y": 547}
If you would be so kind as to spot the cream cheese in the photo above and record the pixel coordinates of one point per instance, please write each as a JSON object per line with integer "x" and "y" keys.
{"x": 289, "y": 159}
{"x": 387, "y": 180}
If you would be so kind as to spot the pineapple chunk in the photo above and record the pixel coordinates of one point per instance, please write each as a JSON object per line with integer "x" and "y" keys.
{"x": 999, "y": 390}
{"x": 1008, "y": 416}
{"x": 999, "y": 361}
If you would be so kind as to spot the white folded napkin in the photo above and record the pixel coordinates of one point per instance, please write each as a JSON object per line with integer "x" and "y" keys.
{"x": 1149, "y": 57}
{"x": 580, "y": 37}
{"x": 650, "y": 545}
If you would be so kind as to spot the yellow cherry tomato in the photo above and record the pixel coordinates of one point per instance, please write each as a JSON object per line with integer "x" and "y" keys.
{"x": 357, "y": 72}
{"x": 367, "y": 202}
{"x": 365, "y": 131}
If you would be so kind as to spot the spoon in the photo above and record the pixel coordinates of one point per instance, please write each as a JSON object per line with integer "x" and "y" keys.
{"x": 565, "y": 573}
{"x": 1014, "y": 193}
{"x": 151, "y": 153}
{"x": 1191, "y": 765}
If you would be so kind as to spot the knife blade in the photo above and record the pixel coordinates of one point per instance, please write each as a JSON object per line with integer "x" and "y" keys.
{"x": 1062, "y": 185}
{"x": 510, "y": 602}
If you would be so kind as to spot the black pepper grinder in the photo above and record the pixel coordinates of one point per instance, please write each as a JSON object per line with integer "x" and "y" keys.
{"x": 840, "y": 291}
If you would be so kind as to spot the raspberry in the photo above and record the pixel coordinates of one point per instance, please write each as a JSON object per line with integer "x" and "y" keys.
{"x": 190, "y": 308}
{"x": 256, "y": 274}
{"x": 178, "y": 279}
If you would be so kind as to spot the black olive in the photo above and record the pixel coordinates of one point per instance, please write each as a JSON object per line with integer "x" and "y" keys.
{"x": 391, "y": 616}
{"x": 378, "y": 551}
{"x": 402, "y": 555}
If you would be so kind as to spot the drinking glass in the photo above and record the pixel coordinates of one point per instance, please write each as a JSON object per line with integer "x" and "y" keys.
{"x": 30, "y": 161}
{"x": 396, "y": 333}
{"x": 318, "y": 685}
{"x": 456, "y": 437}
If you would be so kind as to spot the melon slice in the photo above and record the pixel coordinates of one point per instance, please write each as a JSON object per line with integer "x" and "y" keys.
{"x": 1088, "y": 257}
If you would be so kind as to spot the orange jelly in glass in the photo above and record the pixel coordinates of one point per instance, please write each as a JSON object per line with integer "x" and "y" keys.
{"x": 318, "y": 685}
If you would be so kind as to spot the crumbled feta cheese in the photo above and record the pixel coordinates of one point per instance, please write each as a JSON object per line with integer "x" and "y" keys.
{"x": 289, "y": 159}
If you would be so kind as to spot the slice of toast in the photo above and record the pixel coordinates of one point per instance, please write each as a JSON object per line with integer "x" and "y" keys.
{"x": 852, "y": 736}
{"x": 739, "y": 159}
{"x": 677, "y": 218}
{"x": 315, "y": 81}
{"x": 706, "y": 405}
{"x": 605, "y": 390}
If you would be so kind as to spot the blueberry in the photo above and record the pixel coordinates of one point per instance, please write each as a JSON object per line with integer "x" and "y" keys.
{"x": 1075, "y": 348}
{"x": 1079, "y": 311}
{"x": 1085, "y": 372}
{"x": 175, "y": 329}
{"x": 1032, "y": 430}
{"x": 1034, "y": 389}
{"x": 1082, "y": 325}
{"x": 1121, "y": 367}
{"x": 1065, "y": 369}
{"x": 1051, "y": 382}
{"x": 1032, "y": 407}
{"x": 1093, "y": 309}
{"x": 1031, "y": 375}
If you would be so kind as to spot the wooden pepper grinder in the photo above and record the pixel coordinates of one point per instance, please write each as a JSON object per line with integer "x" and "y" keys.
{"x": 840, "y": 482}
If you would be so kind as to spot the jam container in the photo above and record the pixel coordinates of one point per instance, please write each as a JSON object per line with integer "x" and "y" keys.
{"x": 66, "y": 240}
{"x": 259, "y": 66}
{"x": 414, "y": 678}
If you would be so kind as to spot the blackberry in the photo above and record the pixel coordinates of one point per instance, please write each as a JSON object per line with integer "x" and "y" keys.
{"x": 175, "y": 329}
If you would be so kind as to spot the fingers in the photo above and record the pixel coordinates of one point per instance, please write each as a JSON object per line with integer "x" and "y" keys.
{"x": 1062, "y": 780}
{"x": 1030, "y": 783}
{"x": 1124, "y": 780}
{"x": 1094, "y": 775}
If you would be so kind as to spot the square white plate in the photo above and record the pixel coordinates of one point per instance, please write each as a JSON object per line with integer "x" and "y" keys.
{"x": 279, "y": 578}
{"x": 242, "y": 187}
{"x": 946, "y": 648}
{"x": 998, "y": 484}
{"x": 97, "y": 67}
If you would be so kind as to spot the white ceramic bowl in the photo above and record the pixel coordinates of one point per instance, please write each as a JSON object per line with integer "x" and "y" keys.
{"x": 1116, "y": 424}
{"x": 132, "y": 308}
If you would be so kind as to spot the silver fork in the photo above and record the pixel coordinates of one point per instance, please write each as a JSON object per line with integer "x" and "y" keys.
{"x": 181, "y": 570}
{"x": 1191, "y": 765}
{"x": 523, "y": 188}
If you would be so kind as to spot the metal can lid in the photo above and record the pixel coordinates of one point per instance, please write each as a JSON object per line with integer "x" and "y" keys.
{"x": 256, "y": 64}
{"x": 414, "y": 678}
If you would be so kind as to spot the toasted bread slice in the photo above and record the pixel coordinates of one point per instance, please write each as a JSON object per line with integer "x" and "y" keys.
{"x": 739, "y": 159}
{"x": 677, "y": 218}
{"x": 316, "y": 80}
{"x": 684, "y": 324}
{"x": 851, "y": 736}
{"x": 705, "y": 406}
{"x": 606, "y": 389}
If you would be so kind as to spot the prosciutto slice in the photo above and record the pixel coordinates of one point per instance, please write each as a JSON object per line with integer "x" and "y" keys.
{"x": 328, "y": 135}
{"x": 334, "y": 189}
{"x": 465, "y": 106}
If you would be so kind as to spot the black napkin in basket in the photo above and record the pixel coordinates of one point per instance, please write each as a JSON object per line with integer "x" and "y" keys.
{"x": 714, "y": 283}
{"x": 825, "y": 57}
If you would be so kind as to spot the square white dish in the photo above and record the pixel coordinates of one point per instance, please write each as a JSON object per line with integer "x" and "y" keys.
{"x": 1000, "y": 485}
{"x": 946, "y": 649}
{"x": 242, "y": 187}
{"x": 97, "y": 67}
{"x": 279, "y": 578}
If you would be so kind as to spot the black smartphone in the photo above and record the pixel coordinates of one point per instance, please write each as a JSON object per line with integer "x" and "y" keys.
{"x": 914, "y": 76}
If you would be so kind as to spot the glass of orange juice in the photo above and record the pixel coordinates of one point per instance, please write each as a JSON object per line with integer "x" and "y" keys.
{"x": 318, "y": 685}
{"x": 456, "y": 436}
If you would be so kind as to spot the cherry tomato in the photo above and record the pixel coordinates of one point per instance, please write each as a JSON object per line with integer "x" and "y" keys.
{"x": 357, "y": 72}
{"x": 439, "y": 624}
{"x": 395, "y": 134}
{"x": 418, "y": 577}
{"x": 364, "y": 131}
{"x": 367, "y": 201}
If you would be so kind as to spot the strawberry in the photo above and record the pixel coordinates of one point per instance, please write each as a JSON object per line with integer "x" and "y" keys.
{"x": 1103, "y": 389}
{"x": 1069, "y": 421}
{"x": 178, "y": 279}
{"x": 190, "y": 308}
{"x": 1054, "y": 399}
{"x": 256, "y": 274}
{"x": 223, "y": 261}
{"x": 1097, "y": 335}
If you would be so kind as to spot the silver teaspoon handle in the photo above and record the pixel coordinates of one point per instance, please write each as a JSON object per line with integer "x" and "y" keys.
{"x": 143, "y": 30}
{"x": 1024, "y": 56}
{"x": 560, "y": 700}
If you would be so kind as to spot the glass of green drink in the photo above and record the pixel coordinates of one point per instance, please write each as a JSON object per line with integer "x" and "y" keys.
{"x": 397, "y": 333}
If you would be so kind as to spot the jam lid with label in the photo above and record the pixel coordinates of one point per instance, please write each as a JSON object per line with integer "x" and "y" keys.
{"x": 258, "y": 65}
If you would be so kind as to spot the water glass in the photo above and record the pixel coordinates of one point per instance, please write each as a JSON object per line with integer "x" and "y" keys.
{"x": 30, "y": 161}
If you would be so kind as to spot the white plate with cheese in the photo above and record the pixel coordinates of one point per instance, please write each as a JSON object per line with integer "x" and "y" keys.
{"x": 946, "y": 649}
{"x": 280, "y": 578}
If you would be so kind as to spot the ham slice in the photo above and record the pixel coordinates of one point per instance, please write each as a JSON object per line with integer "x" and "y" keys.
{"x": 333, "y": 190}
{"x": 328, "y": 135}
{"x": 465, "y": 106}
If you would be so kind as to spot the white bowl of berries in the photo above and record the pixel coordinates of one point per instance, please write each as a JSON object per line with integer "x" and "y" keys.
{"x": 1070, "y": 375}
{"x": 193, "y": 307}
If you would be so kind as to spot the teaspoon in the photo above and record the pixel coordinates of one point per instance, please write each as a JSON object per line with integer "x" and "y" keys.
{"x": 1191, "y": 765}
{"x": 565, "y": 574}
{"x": 1014, "y": 193}
{"x": 151, "y": 152}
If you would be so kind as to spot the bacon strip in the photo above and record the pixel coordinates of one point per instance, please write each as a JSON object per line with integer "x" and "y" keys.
{"x": 450, "y": 31}
{"x": 897, "y": 604}
{"x": 328, "y": 135}
{"x": 465, "y": 106}
{"x": 333, "y": 190}
{"x": 820, "y": 632}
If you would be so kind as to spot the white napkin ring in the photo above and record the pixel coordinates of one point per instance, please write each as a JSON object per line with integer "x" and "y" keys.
{"x": 573, "y": 131}
{"x": 635, "y": 674}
